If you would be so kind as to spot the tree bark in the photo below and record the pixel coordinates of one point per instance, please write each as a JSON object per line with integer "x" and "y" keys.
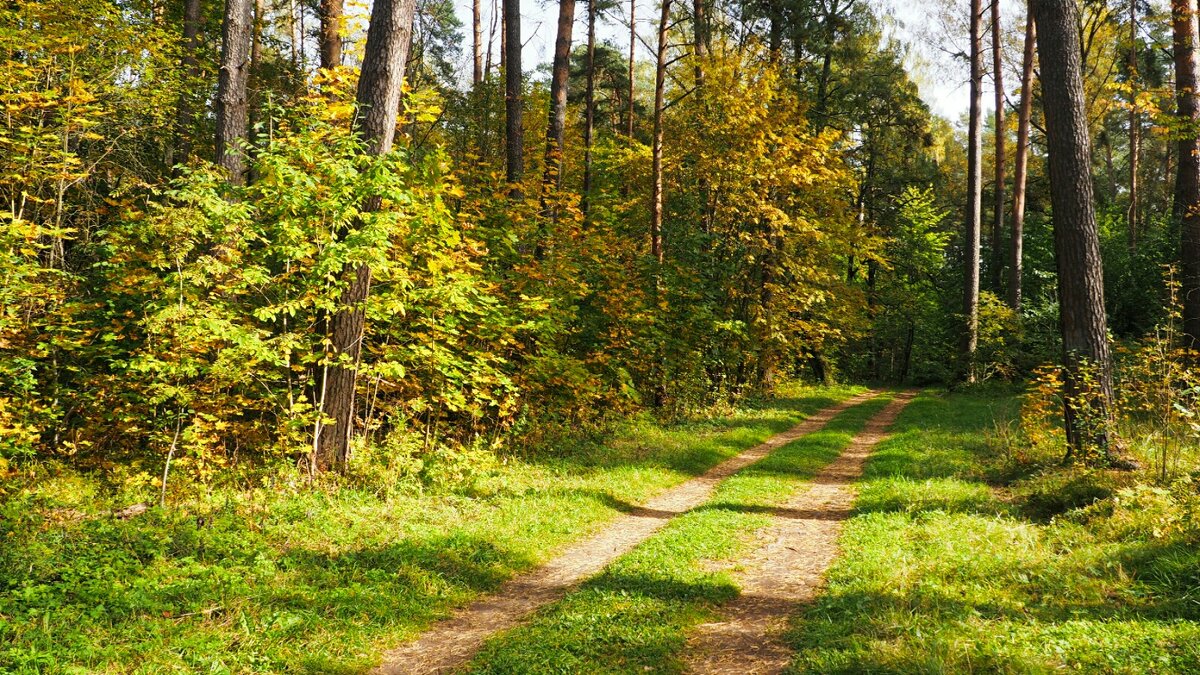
{"x": 632, "y": 48}
{"x": 477, "y": 44}
{"x": 1135, "y": 129}
{"x": 331, "y": 34}
{"x": 656, "y": 153}
{"x": 1021, "y": 169}
{"x": 974, "y": 198}
{"x": 589, "y": 114}
{"x": 1186, "y": 206}
{"x": 998, "y": 193}
{"x": 514, "y": 133}
{"x": 232, "y": 105}
{"x": 185, "y": 113}
{"x": 1088, "y": 391}
{"x": 389, "y": 37}
{"x": 560, "y": 75}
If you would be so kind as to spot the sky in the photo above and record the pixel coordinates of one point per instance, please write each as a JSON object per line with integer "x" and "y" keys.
{"x": 941, "y": 84}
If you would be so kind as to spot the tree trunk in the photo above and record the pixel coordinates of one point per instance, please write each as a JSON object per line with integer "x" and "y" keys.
{"x": 185, "y": 113}
{"x": 1021, "y": 169}
{"x": 589, "y": 115}
{"x": 477, "y": 44}
{"x": 514, "y": 133}
{"x": 1186, "y": 207}
{"x": 232, "y": 105}
{"x": 656, "y": 155}
{"x": 998, "y": 203}
{"x": 632, "y": 48}
{"x": 389, "y": 37}
{"x": 331, "y": 34}
{"x": 1088, "y": 384}
{"x": 974, "y": 198}
{"x": 560, "y": 75}
{"x": 1135, "y": 129}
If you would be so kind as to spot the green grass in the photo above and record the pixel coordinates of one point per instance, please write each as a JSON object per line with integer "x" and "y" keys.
{"x": 635, "y": 616}
{"x": 288, "y": 578}
{"x": 940, "y": 575}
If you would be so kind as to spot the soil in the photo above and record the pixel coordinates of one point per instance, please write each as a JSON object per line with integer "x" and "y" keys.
{"x": 451, "y": 643}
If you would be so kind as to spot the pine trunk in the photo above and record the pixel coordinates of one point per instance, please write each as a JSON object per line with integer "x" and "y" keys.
{"x": 1135, "y": 129}
{"x": 560, "y": 75}
{"x": 389, "y": 37}
{"x": 974, "y": 198}
{"x": 656, "y": 153}
{"x": 1021, "y": 170}
{"x": 185, "y": 113}
{"x": 998, "y": 194}
{"x": 477, "y": 43}
{"x": 1088, "y": 384}
{"x": 632, "y": 48}
{"x": 514, "y": 133}
{"x": 589, "y": 114}
{"x": 1186, "y": 206}
{"x": 331, "y": 34}
{"x": 232, "y": 104}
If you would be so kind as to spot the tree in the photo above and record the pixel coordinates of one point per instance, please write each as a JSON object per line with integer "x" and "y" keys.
{"x": 1186, "y": 206}
{"x": 185, "y": 113}
{"x": 232, "y": 103}
{"x": 1021, "y": 169}
{"x": 656, "y": 151}
{"x": 974, "y": 197}
{"x": 589, "y": 106}
{"x": 998, "y": 190}
{"x": 632, "y": 49}
{"x": 560, "y": 75}
{"x": 1088, "y": 388}
{"x": 1135, "y": 128}
{"x": 476, "y": 43}
{"x": 331, "y": 33}
{"x": 514, "y": 134}
{"x": 389, "y": 37}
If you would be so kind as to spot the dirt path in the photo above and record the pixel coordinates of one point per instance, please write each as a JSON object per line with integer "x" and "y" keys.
{"x": 449, "y": 644}
{"x": 786, "y": 571}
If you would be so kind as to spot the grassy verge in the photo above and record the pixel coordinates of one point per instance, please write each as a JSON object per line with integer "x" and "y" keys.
{"x": 1065, "y": 572}
{"x": 285, "y": 577}
{"x": 634, "y": 617}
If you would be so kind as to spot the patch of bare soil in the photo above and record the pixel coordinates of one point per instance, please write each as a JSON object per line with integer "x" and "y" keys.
{"x": 452, "y": 642}
{"x": 786, "y": 570}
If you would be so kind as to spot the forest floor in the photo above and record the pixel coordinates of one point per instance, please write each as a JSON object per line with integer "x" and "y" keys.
{"x": 699, "y": 547}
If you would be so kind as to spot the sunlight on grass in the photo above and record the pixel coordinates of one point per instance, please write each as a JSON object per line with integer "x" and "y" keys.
{"x": 320, "y": 581}
{"x": 940, "y": 575}
{"x": 634, "y": 617}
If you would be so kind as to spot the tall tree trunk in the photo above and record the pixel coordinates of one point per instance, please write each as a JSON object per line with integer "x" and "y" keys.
{"x": 477, "y": 43}
{"x": 974, "y": 198}
{"x": 232, "y": 105}
{"x": 1186, "y": 206}
{"x": 998, "y": 202}
{"x": 560, "y": 74}
{"x": 589, "y": 114}
{"x": 514, "y": 132}
{"x": 1021, "y": 169}
{"x": 1135, "y": 129}
{"x": 331, "y": 33}
{"x": 389, "y": 37}
{"x": 632, "y": 49}
{"x": 185, "y": 112}
{"x": 656, "y": 153}
{"x": 1088, "y": 384}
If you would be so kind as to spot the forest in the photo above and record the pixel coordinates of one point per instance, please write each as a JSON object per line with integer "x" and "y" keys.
{"x": 345, "y": 337}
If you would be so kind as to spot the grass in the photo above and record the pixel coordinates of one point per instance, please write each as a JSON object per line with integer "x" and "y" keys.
{"x": 635, "y": 616}
{"x": 283, "y": 577}
{"x": 946, "y": 572}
